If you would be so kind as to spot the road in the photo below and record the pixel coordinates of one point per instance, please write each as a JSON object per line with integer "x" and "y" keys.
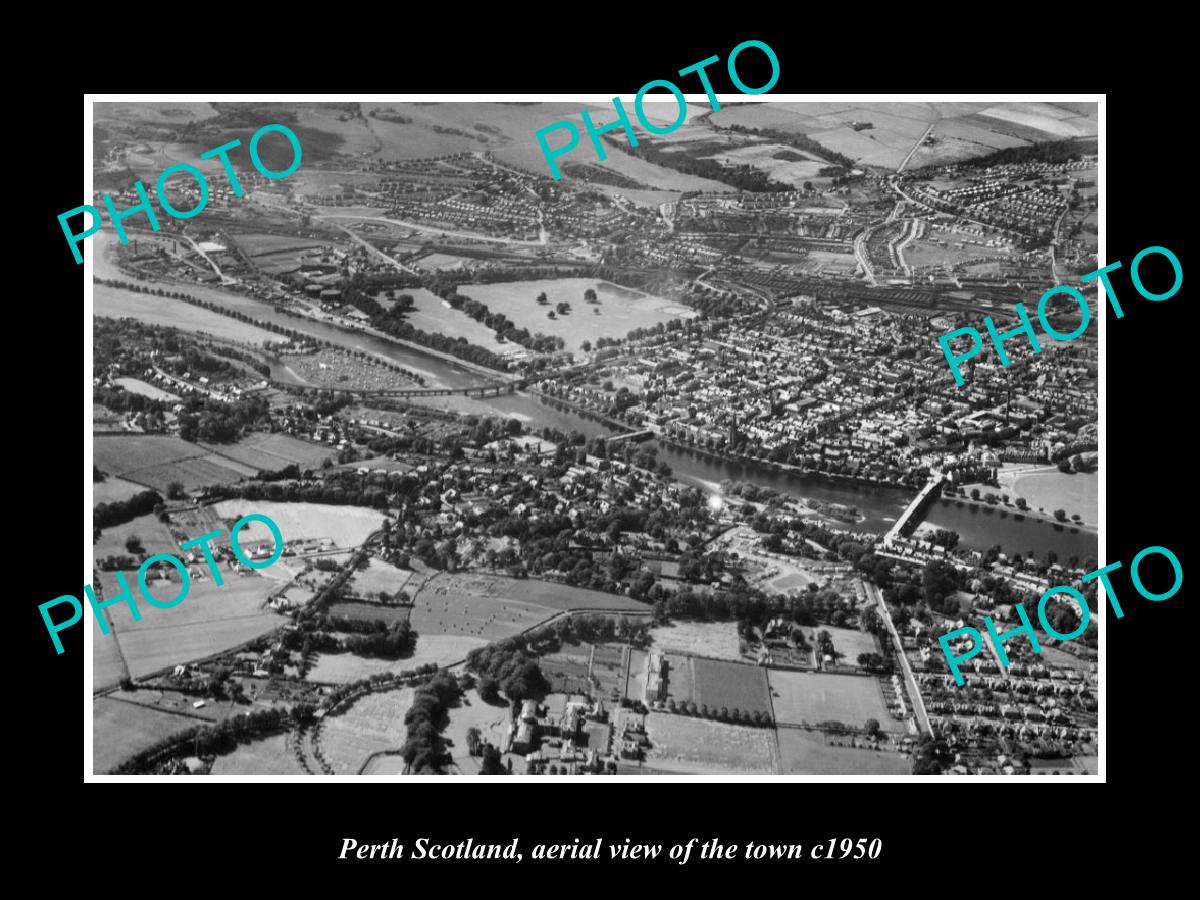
{"x": 914, "y": 692}
{"x": 917, "y": 145}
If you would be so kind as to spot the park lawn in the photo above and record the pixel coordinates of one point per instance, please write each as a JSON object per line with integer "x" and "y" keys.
{"x": 119, "y": 303}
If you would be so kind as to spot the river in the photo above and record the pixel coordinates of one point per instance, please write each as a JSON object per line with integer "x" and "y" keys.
{"x": 878, "y": 506}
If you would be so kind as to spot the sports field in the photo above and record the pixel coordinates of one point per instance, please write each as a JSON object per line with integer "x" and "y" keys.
{"x": 811, "y": 753}
{"x": 812, "y": 698}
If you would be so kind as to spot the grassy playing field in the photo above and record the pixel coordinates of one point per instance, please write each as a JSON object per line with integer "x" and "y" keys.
{"x": 810, "y": 753}
{"x": 810, "y": 697}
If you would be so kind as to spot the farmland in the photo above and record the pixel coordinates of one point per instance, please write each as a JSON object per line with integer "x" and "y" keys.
{"x": 152, "y": 533}
{"x": 685, "y": 745}
{"x": 371, "y": 723}
{"x": 157, "y": 460}
{"x": 262, "y": 450}
{"x": 120, "y": 729}
{"x": 808, "y": 697}
{"x": 346, "y": 526}
{"x": 211, "y": 619}
{"x": 619, "y": 312}
{"x": 804, "y": 752}
{"x": 377, "y": 577}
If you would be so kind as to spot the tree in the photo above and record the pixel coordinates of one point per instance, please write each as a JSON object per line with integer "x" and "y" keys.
{"x": 175, "y": 491}
{"x": 474, "y": 737}
{"x": 586, "y": 346}
{"x": 872, "y": 727}
{"x": 1021, "y": 504}
{"x": 1060, "y": 515}
{"x": 491, "y": 761}
{"x": 974, "y": 493}
{"x": 489, "y": 690}
{"x": 133, "y": 544}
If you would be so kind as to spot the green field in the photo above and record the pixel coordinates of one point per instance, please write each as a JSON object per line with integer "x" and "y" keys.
{"x": 686, "y": 745}
{"x": 812, "y": 698}
{"x": 619, "y": 313}
{"x": 369, "y": 612}
{"x": 810, "y": 753}
{"x": 120, "y": 729}
{"x": 118, "y": 303}
{"x": 273, "y": 451}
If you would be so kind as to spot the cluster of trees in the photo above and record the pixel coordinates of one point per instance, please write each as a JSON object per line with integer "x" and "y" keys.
{"x": 744, "y": 178}
{"x": 216, "y": 421}
{"x": 425, "y": 749}
{"x": 735, "y": 716}
{"x": 1048, "y": 152}
{"x": 216, "y": 739}
{"x": 511, "y": 667}
{"x": 118, "y": 512}
{"x": 371, "y": 638}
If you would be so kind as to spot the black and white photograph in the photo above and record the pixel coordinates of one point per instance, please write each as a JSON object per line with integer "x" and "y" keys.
{"x": 708, "y": 435}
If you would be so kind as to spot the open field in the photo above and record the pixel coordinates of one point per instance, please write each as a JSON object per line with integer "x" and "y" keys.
{"x": 379, "y": 576}
{"x": 209, "y": 620}
{"x": 153, "y": 534}
{"x": 566, "y": 676}
{"x": 620, "y": 312}
{"x": 606, "y": 668}
{"x": 686, "y": 745}
{"x": 118, "y": 303}
{"x": 157, "y": 460}
{"x": 371, "y": 723}
{"x": 729, "y": 685}
{"x": 849, "y": 642}
{"x": 107, "y": 667}
{"x": 809, "y": 753}
{"x": 269, "y": 756}
{"x": 261, "y": 450}
{"x": 120, "y": 729}
{"x": 443, "y": 649}
{"x": 719, "y": 639}
{"x": 137, "y": 386}
{"x": 433, "y": 314}
{"x": 128, "y": 453}
{"x": 492, "y": 607}
{"x": 812, "y": 698}
{"x": 112, "y": 489}
{"x": 1050, "y": 489}
{"x": 346, "y": 526}
{"x": 369, "y": 612}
